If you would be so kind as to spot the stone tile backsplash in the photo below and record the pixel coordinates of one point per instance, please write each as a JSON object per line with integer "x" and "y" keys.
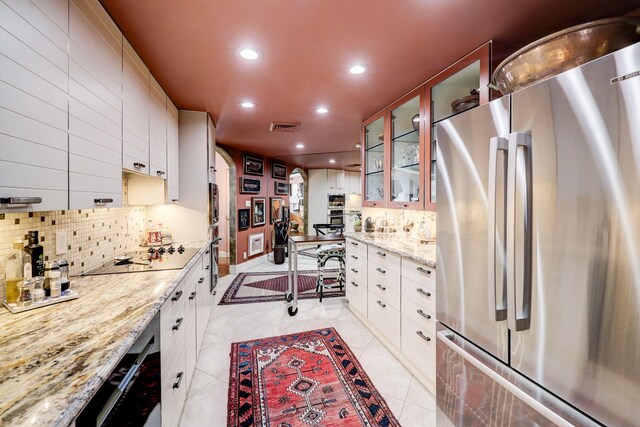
{"x": 94, "y": 236}
{"x": 400, "y": 217}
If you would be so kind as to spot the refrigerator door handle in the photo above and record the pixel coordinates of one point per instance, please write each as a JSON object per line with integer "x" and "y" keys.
{"x": 519, "y": 231}
{"x": 497, "y": 306}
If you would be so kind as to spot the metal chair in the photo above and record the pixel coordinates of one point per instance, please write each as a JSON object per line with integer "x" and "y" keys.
{"x": 325, "y": 253}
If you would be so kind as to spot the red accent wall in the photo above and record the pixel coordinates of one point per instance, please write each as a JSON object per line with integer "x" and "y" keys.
{"x": 267, "y": 190}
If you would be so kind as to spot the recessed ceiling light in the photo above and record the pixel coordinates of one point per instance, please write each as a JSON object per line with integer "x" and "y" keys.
{"x": 322, "y": 110}
{"x": 358, "y": 69}
{"x": 299, "y": 145}
{"x": 358, "y": 146}
{"x": 332, "y": 160}
{"x": 247, "y": 104}
{"x": 249, "y": 53}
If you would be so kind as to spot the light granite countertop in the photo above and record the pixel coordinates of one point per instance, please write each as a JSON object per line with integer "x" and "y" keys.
{"x": 53, "y": 359}
{"x": 414, "y": 249}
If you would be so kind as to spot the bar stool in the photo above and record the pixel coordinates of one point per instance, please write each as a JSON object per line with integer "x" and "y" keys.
{"x": 325, "y": 253}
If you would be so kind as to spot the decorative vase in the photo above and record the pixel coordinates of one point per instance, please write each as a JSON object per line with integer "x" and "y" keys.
{"x": 278, "y": 254}
{"x": 357, "y": 228}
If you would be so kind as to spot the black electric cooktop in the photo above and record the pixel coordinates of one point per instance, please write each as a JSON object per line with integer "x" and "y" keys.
{"x": 152, "y": 259}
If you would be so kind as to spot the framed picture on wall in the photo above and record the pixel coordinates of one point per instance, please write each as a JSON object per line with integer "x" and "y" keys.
{"x": 253, "y": 165}
{"x": 276, "y": 206}
{"x": 256, "y": 244}
{"x": 244, "y": 219}
{"x": 278, "y": 170}
{"x": 281, "y": 188}
{"x": 258, "y": 208}
{"x": 249, "y": 186}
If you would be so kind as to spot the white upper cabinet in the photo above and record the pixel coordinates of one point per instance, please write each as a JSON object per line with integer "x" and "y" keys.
{"x": 158, "y": 130}
{"x": 336, "y": 181}
{"x": 135, "y": 130}
{"x": 354, "y": 184}
{"x": 95, "y": 107}
{"x": 34, "y": 66}
{"x": 173, "y": 154}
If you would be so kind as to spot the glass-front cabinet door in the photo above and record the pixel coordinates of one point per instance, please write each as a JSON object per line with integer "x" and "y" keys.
{"x": 374, "y": 162}
{"x": 407, "y": 151}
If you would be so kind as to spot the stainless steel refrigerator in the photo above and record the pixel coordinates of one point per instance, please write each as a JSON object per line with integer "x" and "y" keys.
{"x": 538, "y": 253}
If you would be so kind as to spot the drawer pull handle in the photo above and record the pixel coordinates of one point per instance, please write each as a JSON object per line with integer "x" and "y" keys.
{"x": 423, "y": 336}
{"x": 423, "y": 270}
{"x": 214, "y": 293}
{"x": 139, "y": 165}
{"x": 200, "y": 280}
{"x": 381, "y": 270}
{"x": 207, "y": 267}
{"x": 354, "y": 257}
{"x": 193, "y": 295}
{"x": 354, "y": 270}
{"x": 20, "y": 200}
{"x": 421, "y": 291}
{"x": 176, "y": 326}
{"x": 207, "y": 252}
{"x": 177, "y": 296}
{"x": 381, "y": 287}
{"x": 354, "y": 243}
{"x": 381, "y": 253}
{"x": 381, "y": 304}
{"x": 354, "y": 284}
{"x": 178, "y": 380}
{"x": 423, "y": 314}
{"x": 160, "y": 173}
{"x": 103, "y": 201}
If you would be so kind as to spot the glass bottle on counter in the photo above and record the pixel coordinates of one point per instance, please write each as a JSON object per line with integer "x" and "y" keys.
{"x": 50, "y": 267}
{"x": 64, "y": 273}
{"x": 14, "y": 271}
{"x": 38, "y": 290}
{"x": 55, "y": 284}
{"x": 35, "y": 250}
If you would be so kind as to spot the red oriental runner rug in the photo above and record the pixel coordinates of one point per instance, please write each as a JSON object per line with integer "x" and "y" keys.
{"x": 306, "y": 379}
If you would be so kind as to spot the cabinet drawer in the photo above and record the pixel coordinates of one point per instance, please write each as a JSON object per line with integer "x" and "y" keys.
{"x": 419, "y": 314}
{"x": 190, "y": 333}
{"x": 357, "y": 268}
{"x": 385, "y": 259}
{"x": 419, "y": 273}
{"x": 380, "y": 274}
{"x": 173, "y": 392}
{"x": 384, "y": 317}
{"x": 356, "y": 248}
{"x": 356, "y": 293}
{"x": 421, "y": 294}
{"x": 173, "y": 336}
{"x": 387, "y": 292}
{"x": 419, "y": 346}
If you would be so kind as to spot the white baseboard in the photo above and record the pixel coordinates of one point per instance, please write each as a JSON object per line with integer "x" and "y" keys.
{"x": 248, "y": 265}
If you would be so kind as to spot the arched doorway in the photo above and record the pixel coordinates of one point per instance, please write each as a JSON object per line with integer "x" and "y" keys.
{"x": 226, "y": 180}
{"x": 298, "y": 199}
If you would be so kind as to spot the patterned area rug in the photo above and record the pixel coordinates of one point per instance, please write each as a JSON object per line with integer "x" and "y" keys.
{"x": 271, "y": 286}
{"x": 305, "y": 379}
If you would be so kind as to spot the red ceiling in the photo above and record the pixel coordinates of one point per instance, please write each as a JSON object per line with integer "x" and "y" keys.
{"x": 308, "y": 46}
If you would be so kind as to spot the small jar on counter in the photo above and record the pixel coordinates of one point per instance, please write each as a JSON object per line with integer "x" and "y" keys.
{"x": 38, "y": 290}
{"x": 55, "y": 283}
{"x": 64, "y": 274}
{"x": 26, "y": 293}
{"x": 49, "y": 268}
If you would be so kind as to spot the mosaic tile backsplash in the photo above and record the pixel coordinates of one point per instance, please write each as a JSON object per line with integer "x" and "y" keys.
{"x": 94, "y": 236}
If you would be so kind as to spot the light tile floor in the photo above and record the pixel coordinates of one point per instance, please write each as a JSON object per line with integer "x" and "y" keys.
{"x": 206, "y": 403}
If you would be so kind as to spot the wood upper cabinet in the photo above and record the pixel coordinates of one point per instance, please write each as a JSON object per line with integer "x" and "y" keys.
{"x": 157, "y": 130}
{"x": 34, "y": 65}
{"x": 462, "y": 86}
{"x": 375, "y": 132}
{"x": 399, "y": 150}
{"x": 95, "y": 107}
{"x": 406, "y": 151}
{"x": 135, "y": 130}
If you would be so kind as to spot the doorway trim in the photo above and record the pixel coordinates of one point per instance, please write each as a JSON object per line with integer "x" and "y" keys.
{"x": 233, "y": 234}
{"x": 305, "y": 194}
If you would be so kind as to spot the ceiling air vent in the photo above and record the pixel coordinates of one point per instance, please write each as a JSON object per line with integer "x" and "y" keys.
{"x": 284, "y": 127}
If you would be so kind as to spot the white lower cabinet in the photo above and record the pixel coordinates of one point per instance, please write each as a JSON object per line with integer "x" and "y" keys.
{"x": 183, "y": 319}
{"x": 395, "y": 297}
